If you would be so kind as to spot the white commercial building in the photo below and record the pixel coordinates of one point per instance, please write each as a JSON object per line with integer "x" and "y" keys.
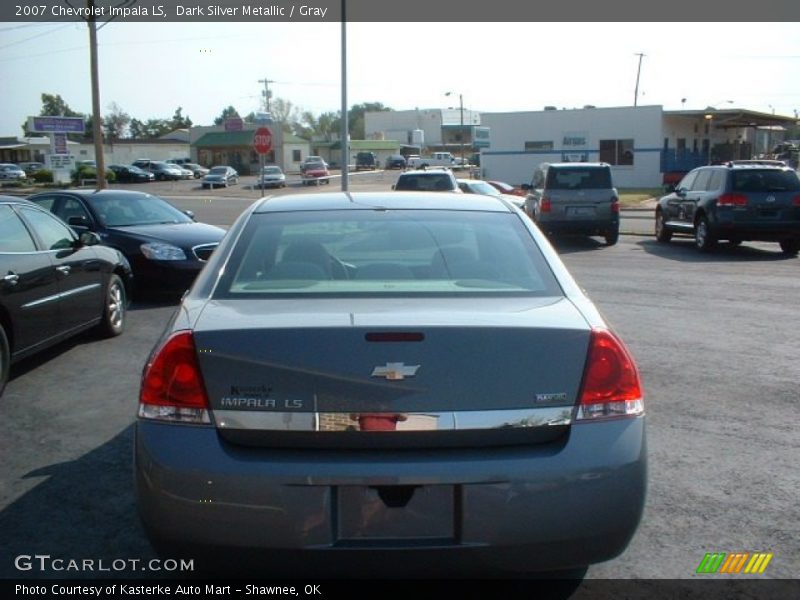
{"x": 644, "y": 145}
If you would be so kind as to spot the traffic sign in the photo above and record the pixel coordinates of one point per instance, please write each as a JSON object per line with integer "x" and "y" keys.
{"x": 262, "y": 140}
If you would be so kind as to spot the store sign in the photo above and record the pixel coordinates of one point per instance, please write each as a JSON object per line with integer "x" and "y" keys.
{"x": 56, "y": 124}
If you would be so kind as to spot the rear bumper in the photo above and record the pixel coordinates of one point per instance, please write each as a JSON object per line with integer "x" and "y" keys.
{"x": 555, "y": 506}
{"x": 586, "y": 227}
{"x": 725, "y": 227}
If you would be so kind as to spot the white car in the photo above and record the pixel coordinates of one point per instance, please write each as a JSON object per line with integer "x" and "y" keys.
{"x": 11, "y": 171}
{"x": 271, "y": 176}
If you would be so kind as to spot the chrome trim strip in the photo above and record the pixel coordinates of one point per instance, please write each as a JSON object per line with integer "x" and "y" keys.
{"x": 61, "y": 295}
{"x": 194, "y": 250}
{"x": 461, "y": 420}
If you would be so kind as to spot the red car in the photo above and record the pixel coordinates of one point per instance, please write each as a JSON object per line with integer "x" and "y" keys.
{"x": 506, "y": 188}
{"x": 316, "y": 173}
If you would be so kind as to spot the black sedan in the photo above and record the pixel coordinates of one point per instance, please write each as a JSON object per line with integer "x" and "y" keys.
{"x": 131, "y": 174}
{"x": 54, "y": 284}
{"x": 166, "y": 247}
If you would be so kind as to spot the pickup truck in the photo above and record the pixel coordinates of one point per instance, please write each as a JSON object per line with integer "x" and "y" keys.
{"x": 437, "y": 159}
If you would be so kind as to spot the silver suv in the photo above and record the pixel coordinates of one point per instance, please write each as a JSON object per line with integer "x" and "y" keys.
{"x": 574, "y": 198}
{"x": 427, "y": 180}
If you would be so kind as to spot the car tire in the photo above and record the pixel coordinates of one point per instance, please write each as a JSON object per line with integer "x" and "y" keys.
{"x": 114, "y": 308}
{"x": 612, "y": 237}
{"x": 790, "y": 247}
{"x": 663, "y": 234}
{"x": 5, "y": 359}
{"x": 704, "y": 240}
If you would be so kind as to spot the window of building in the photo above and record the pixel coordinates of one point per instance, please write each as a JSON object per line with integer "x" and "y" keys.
{"x": 296, "y": 156}
{"x": 616, "y": 152}
{"x": 541, "y": 145}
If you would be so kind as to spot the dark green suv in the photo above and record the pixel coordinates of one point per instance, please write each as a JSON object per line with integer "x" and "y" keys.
{"x": 738, "y": 201}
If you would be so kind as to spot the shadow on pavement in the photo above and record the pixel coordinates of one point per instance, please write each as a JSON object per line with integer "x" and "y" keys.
{"x": 79, "y": 510}
{"x": 683, "y": 250}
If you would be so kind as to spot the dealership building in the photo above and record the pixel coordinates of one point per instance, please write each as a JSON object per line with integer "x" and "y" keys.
{"x": 644, "y": 145}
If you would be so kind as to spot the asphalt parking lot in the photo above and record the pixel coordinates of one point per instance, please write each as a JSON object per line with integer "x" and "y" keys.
{"x": 715, "y": 337}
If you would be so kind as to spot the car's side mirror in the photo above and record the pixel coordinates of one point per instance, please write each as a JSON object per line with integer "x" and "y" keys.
{"x": 189, "y": 214}
{"x": 89, "y": 238}
{"x": 526, "y": 187}
{"x": 681, "y": 192}
{"x": 79, "y": 222}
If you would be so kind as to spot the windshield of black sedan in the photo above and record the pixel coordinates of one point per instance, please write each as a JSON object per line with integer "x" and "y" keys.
{"x": 128, "y": 210}
{"x": 385, "y": 252}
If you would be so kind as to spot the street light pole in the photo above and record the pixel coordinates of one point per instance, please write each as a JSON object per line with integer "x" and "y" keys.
{"x": 461, "y": 121}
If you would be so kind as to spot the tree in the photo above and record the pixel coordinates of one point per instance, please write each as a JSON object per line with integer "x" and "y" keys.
{"x": 136, "y": 129}
{"x": 154, "y": 128}
{"x": 227, "y": 113}
{"x": 355, "y": 117}
{"x": 116, "y": 122}
{"x": 285, "y": 113}
{"x": 179, "y": 121}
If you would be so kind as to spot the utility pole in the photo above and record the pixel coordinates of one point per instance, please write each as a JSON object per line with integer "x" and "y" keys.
{"x": 345, "y": 133}
{"x": 97, "y": 120}
{"x": 267, "y": 94}
{"x": 638, "y": 72}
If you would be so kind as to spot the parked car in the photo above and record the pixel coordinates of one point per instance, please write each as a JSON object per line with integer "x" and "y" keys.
{"x": 166, "y": 247}
{"x": 131, "y": 174}
{"x": 316, "y": 173}
{"x": 180, "y": 161}
{"x": 738, "y": 201}
{"x": 478, "y": 186}
{"x": 86, "y": 163}
{"x": 165, "y": 171}
{"x": 221, "y": 176}
{"x": 366, "y": 161}
{"x": 507, "y": 188}
{"x": 11, "y": 171}
{"x": 271, "y": 177}
{"x": 31, "y": 167}
{"x": 396, "y": 161}
{"x": 312, "y": 161}
{"x": 387, "y": 381}
{"x": 199, "y": 171}
{"x": 186, "y": 172}
{"x": 54, "y": 283}
{"x": 574, "y": 198}
{"x": 427, "y": 180}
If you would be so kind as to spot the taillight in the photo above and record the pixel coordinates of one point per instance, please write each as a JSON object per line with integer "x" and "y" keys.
{"x": 732, "y": 200}
{"x": 545, "y": 206}
{"x": 611, "y": 385}
{"x": 172, "y": 385}
{"x": 614, "y": 206}
{"x": 796, "y": 201}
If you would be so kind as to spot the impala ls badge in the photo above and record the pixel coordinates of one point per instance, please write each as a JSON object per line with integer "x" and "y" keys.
{"x": 395, "y": 371}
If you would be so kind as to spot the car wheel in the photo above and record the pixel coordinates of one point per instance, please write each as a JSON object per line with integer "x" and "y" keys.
{"x": 612, "y": 237}
{"x": 790, "y": 247}
{"x": 5, "y": 359}
{"x": 663, "y": 234}
{"x": 704, "y": 240}
{"x": 114, "y": 308}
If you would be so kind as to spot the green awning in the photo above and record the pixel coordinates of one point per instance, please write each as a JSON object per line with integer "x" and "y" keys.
{"x": 225, "y": 139}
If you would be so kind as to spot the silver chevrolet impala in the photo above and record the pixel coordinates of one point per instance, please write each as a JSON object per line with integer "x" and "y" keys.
{"x": 380, "y": 382}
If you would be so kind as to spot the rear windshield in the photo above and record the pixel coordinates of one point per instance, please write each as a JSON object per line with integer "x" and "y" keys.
{"x": 579, "y": 178}
{"x": 386, "y": 252}
{"x": 765, "y": 180}
{"x": 428, "y": 182}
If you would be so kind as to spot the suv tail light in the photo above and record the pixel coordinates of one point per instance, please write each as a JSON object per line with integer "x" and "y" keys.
{"x": 545, "y": 205}
{"x": 611, "y": 385}
{"x": 732, "y": 200}
{"x": 615, "y": 206}
{"x": 796, "y": 201}
{"x": 172, "y": 385}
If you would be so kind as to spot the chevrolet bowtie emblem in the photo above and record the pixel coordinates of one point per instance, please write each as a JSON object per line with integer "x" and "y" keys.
{"x": 395, "y": 371}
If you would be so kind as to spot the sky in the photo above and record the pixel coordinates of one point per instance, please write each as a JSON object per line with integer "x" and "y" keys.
{"x": 150, "y": 69}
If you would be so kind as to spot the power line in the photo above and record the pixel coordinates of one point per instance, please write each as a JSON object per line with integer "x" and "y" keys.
{"x": 38, "y": 35}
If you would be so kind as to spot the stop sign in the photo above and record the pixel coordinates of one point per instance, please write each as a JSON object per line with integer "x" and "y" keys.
{"x": 262, "y": 140}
